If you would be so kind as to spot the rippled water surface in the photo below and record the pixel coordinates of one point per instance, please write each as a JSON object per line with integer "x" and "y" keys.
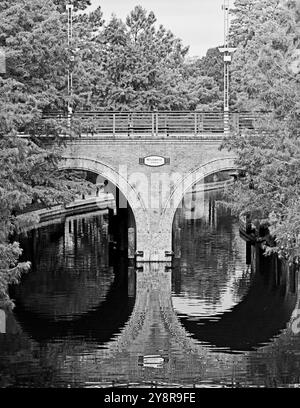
{"x": 84, "y": 317}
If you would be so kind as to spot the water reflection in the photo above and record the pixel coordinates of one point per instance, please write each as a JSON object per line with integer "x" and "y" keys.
{"x": 72, "y": 290}
{"x": 211, "y": 275}
{"x": 220, "y": 300}
{"x": 262, "y": 314}
{"x": 85, "y": 318}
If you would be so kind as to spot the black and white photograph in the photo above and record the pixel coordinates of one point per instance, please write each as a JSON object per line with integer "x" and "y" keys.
{"x": 150, "y": 197}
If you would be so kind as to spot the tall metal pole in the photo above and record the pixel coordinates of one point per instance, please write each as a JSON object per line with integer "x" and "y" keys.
{"x": 226, "y": 62}
{"x": 2, "y": 61}
{"x": 226, "y": 50}
{"x": 70, "y": 8}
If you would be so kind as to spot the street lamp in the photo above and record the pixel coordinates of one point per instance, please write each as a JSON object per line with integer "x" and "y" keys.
{"x": 227, "y": 51}
{"x": 70, "y": 8}
{"x": 2, "y": 61}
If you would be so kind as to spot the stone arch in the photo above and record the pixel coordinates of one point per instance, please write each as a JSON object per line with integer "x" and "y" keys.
{"x": 83, "y": 163}
{"x": 120, "y": 181}
{"x": 186, "y": 182}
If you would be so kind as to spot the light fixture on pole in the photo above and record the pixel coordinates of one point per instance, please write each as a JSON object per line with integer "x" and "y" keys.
{"x": 227, "y": 51}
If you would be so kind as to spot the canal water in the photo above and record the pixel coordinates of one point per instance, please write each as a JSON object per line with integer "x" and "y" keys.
{"x": 222, "y": 315}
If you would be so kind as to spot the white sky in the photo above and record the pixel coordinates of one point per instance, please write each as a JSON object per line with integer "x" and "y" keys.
{"x": 199, "y": 23}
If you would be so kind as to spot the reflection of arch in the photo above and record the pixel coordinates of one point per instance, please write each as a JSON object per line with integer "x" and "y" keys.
{"x": 185, "y": 184}
{"x": 99, "y": 324}
{"x": 126, "y": 321}
{"x": 259, "y": 317}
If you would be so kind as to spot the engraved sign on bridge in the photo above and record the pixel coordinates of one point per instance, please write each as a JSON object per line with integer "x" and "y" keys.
{"x": 154, "y": 161}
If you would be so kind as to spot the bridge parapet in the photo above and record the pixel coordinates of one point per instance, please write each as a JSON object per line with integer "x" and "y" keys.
{"x": 194, "y": 124}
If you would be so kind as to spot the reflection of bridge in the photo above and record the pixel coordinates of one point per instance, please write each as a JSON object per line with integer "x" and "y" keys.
{"x": 153, "y": 327}
{"x": 105, "y": 342}
{"x": 151, "y": 160}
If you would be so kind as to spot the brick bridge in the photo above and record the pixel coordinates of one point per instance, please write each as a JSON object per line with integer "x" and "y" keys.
{"x": 152, "y": 159}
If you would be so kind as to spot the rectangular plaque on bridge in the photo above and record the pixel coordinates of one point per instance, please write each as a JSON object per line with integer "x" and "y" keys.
{"x": 154, "y": 161}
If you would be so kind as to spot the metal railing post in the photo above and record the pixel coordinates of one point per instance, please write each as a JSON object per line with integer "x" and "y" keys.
{"x": 201, "y": 124}
{"x": 114, "y": 124}
{"x": 153, "y": 124}
{"x": 195, "y": 123}
{"x": 69, "y": 118}
{"x": 226, "y": 122}
{"x": 236, "y": 122}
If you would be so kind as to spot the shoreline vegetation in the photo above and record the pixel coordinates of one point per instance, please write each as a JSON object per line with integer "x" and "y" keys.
{"x": 265, "y": 75}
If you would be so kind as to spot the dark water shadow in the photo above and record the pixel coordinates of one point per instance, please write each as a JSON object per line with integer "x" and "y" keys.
{"x": 259, "y": 317}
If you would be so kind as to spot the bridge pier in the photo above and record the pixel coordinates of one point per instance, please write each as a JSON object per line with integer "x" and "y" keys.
{"x": 154, "y": 246}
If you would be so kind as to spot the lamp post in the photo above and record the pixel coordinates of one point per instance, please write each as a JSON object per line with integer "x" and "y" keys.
{"x": 70, "y": 8}
{"x": 227, "y": 51}
{"x": 2, "y": 61}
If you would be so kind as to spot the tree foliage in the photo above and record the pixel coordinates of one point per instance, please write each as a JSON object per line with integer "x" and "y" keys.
{"x": 31, "y": 32}
{"x": 78, "y": 4}
{"x": 205, "y": 81}
{"x": 266, "y": 77}
{"x": 137, "y": 65}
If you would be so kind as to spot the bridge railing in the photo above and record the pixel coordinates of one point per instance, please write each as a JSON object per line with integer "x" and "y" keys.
{"x": 153, "y": 124}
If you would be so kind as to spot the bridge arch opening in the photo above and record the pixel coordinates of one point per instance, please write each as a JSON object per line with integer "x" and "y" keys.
{"x": 185, "y": 185}
{"x": 128, "y": 201}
